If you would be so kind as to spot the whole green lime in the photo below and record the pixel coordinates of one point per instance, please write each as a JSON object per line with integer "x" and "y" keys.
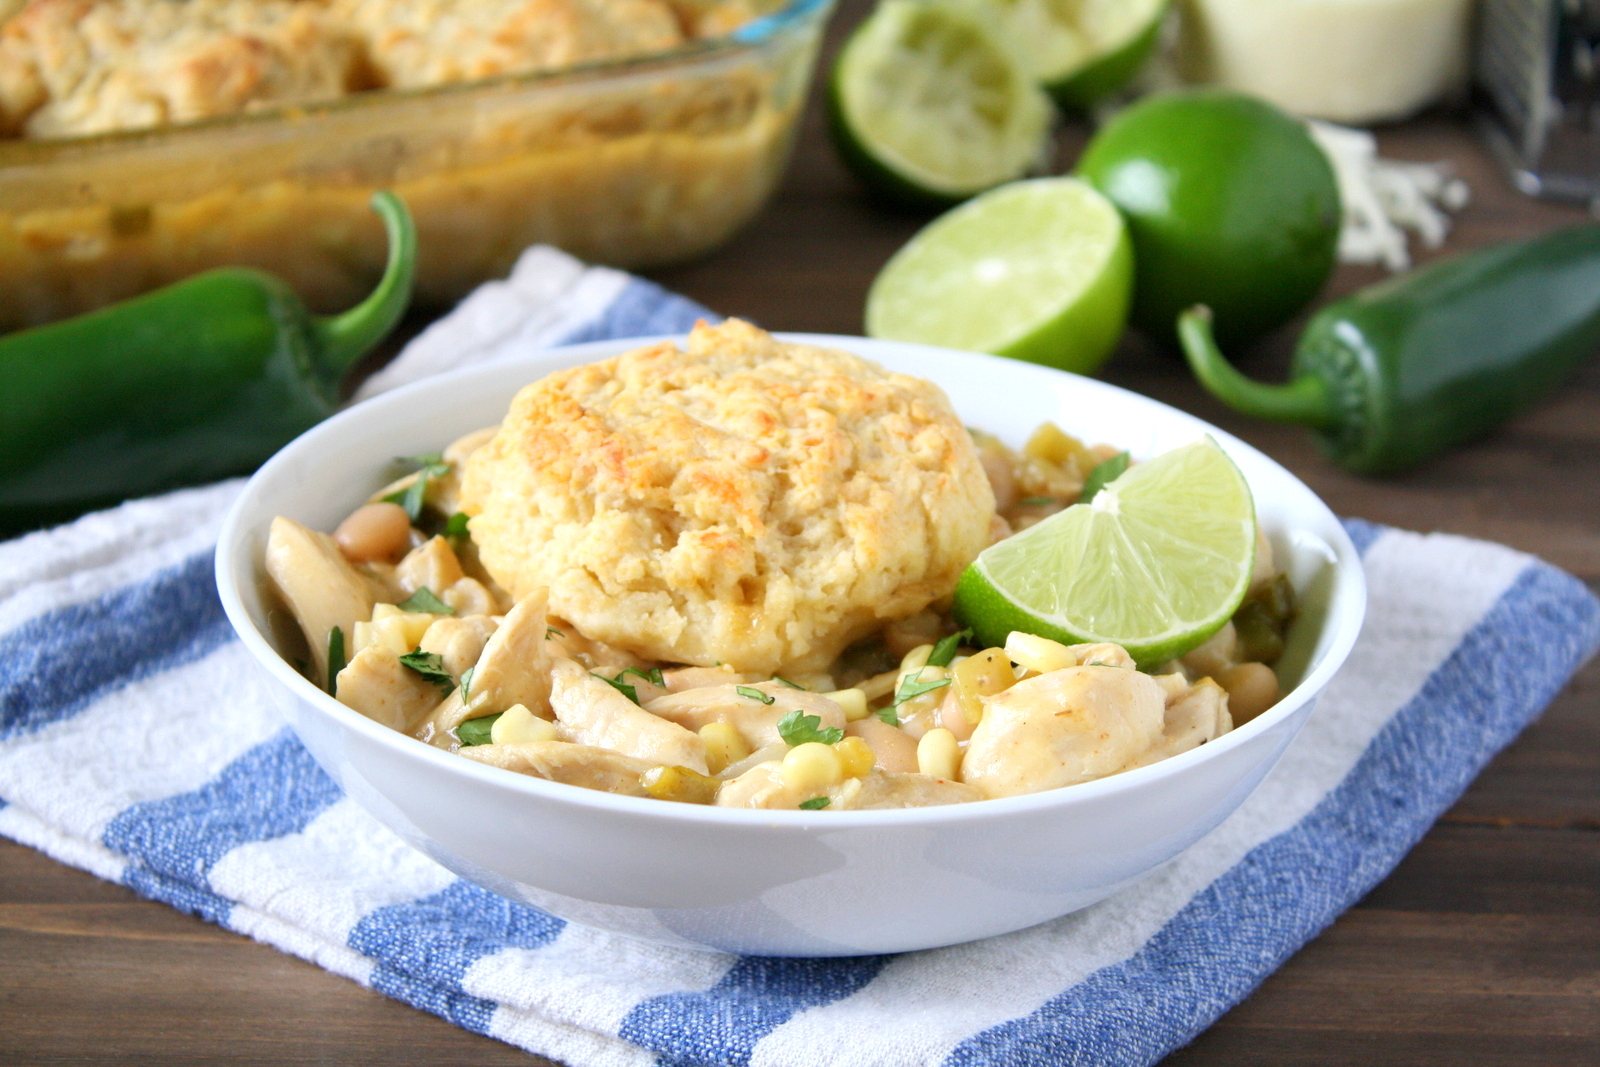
{"x": 1229, "y": 202}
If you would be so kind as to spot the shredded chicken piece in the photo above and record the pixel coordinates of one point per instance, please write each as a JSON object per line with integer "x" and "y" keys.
{"x": 320, "y": 586}
{"x": 385, "y": 690}
{"x": 1064, "y": 727}
{"x": 559, "y": 761}
{"x": 432, "y": 564}
{"x": 590, "y": 711}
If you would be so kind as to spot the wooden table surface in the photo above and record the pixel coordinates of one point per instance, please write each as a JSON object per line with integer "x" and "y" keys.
{"x": 1483, "y": 946}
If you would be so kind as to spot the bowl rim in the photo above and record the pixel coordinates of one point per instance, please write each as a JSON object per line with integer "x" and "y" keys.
{"x": 1347, "y": 610}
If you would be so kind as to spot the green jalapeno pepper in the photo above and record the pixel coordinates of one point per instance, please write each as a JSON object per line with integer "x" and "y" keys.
{"x": 1403, "y": 370}
{"x": 197, "y": 381}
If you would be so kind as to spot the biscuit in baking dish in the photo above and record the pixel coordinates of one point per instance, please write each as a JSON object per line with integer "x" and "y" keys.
{"x": 743, "y": 501}
{"x": 70, "y": 67}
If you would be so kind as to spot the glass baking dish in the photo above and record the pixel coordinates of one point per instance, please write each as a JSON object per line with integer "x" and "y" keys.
{"x": 634, "y": 163}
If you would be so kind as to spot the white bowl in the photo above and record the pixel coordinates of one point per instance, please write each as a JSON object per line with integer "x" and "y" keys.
{"x": 788, "y": 883}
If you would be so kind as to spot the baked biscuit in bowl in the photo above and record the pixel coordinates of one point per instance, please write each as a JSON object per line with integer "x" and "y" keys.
{"x": 740, "y": 500}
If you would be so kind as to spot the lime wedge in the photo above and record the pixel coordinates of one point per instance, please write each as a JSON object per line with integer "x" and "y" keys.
{"x": 1081, "y": 50}
{"x": 1156, "y": 563}
{"x": 1040, "y": 270}
{"x": 929, "y": 105}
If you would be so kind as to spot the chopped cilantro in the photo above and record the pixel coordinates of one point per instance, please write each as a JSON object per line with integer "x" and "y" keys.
{"x": 888, "y": 715}
{"x": 457, "y": 526}
{"x": 629, "y": 691}
{"x": 653, "y": 675}
{"x": 1106, "y": 472}
{"x": 756, "y": 694}
{"x": 911, "y": 687}
{"x": 413, "y": 496}
{"x": 431, "y": 666}
{"x": 815, "y": 803}
{"x": 551, "y": 631}
{"x": 1038, "y": 501}
{"x": 797, "y": 728}
{"x": 785, "y": 681}
{"x": 336, "y": 660}
{"x": 466, "y": 684}
{"x": 945, "y": 650}
{"x": 477, "y": 731}
{"x": 424, "y": 600}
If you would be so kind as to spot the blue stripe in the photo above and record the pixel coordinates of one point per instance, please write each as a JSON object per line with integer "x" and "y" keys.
{"x": 55, "y": 665}
{"x": 1285, "y": 891}
{"x": 425, "y": 947}
{"x": 273, "y": 789}
{"x": 642, "y": 309}
{"x": 1363, "y": 533}
{"x": 721, "y": 1025}
{"x": 177, "y": 893}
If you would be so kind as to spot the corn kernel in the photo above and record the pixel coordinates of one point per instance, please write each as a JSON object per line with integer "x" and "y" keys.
{"x": 385, "y": 611}
{"x": 811, "y": 768}
{"x": 361, "y": 636}
{"x": 517, "y": 723}
{"x": 938, "y": 754}
{"x": 856, "y": 757}
{"x": 853, "y": 701}
{"x": 917, "y": 657}
{"x": 1039, "y": 653}
{"x": 724, "y": 745}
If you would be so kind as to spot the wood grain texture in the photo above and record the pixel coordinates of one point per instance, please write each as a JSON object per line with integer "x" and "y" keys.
{"x": 1481, "y": 950}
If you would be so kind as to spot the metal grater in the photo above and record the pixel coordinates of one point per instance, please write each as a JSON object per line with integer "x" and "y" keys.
{"x": 1538, "y": 82}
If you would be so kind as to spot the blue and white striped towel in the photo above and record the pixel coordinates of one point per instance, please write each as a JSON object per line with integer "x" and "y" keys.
{"x": 136, "y": 744}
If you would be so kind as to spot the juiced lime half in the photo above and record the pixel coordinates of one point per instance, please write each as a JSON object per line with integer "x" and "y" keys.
{"x": 1081, "y": 50}
{"x": 1040, "y": 270}
{"x": 929, "y": 105}
{"x": 1157, "y": 562}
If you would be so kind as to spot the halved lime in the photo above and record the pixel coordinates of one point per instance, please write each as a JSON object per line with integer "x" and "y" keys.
{"x": 1156, "y": 563}
{"x": 930, "y": 106}
{"x": 1082, "y": 50}
{"x": 1040, "y": 270}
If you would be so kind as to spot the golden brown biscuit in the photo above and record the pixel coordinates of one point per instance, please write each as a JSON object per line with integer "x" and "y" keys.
{"x": 746, "y": 501}
{"x": 425, "y": 42}
{"x": 70, "y": 67}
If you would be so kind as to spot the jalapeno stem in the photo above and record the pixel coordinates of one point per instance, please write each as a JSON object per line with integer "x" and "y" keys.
{"x": 347, "y": 337}
{"x": 1305, "y": 400}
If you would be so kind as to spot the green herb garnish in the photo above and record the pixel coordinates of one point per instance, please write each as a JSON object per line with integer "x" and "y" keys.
{"x": 431, "y": 666}
{"x": 336, "y": 660}
{"x": 1038, "y": 501}
{"x": 945, "y": 650}
{"x": 457, "y": 526}
{"x": 911, "y": 687}
{"x": 477, "y": 731}
{"x": 888, "y": 715}
{"x": 653, "y": 675}
{"x": 815, "y": 803}
{"x": 466, "y": 684}
{"x": 798, "y": 728}
{"x": 551, "y": 631}
{"x": 424, "y": 600}
{"x": 1103, "y": 474}
{"x": 785, "y": 681}
{"x": 413, "y": 496}
{"x": 756, "y": 694}
{"x": 629, "y": 691}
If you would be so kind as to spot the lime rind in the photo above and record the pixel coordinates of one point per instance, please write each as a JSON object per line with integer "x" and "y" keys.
{"x": 928, "y": 104}
{"x": 1157, "y": 563}
{"x": 1080, "y": 49}
{"x": 1098, "y": 79}
{"x": 1039, "y": 270}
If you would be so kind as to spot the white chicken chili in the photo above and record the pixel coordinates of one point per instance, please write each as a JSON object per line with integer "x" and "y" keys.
{"x": 409, "y": 620}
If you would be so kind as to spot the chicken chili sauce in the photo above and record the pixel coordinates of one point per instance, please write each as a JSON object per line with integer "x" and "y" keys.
{"x": 407, "y": 626}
